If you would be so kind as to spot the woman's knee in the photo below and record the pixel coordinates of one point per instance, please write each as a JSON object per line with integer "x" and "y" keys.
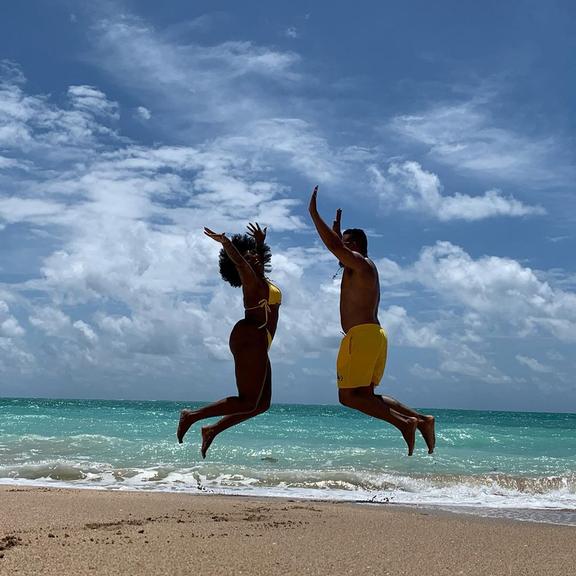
{"x": 263, "y": 406}
{"x": 249, "y": 404}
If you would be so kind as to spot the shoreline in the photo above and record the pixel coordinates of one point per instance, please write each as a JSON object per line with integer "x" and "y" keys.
{"x": 551, "y": 516}
{"x": 79, "y": 531}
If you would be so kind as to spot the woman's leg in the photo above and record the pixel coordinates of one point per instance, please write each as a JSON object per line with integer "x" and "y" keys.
{"x": 249, "y": 348}
{"x": 210, "y": 432}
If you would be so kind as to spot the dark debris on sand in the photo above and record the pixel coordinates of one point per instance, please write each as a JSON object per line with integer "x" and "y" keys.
{"x": 8, "y": 542}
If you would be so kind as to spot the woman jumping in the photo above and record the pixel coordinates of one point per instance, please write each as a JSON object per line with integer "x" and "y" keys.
{"x": 244, "y": 259}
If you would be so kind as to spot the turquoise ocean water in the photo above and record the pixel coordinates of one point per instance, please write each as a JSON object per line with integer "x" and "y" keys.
{"x": 484, "y": 460}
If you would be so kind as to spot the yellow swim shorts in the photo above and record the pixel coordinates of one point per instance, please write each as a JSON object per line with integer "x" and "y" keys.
{"x": 362, "y": 356}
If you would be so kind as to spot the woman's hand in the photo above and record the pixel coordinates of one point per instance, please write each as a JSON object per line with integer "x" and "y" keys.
{"x": 257, "y": 233}
{"x": 221, "y": 238}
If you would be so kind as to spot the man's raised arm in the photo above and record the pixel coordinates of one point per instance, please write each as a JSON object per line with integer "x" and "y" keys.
{"x": 332, "y": 240}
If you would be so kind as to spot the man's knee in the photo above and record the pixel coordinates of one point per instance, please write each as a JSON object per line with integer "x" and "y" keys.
{"x": 346, "y": 397}
{"x": 353, "y": 397}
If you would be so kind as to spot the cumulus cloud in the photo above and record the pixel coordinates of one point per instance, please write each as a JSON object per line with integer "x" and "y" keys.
{"x": 9, "y": 326}
{"x": 126, "y": 250}
{"x": 15, "y": 358}
{"x": 407, "y": 331}
{"x": 130, "y": 285}
{"x": 127, "y": 288}
{"x": 143, "y": 113}
{"x": 496, "y": 290}
{"x": 407, "y": 186}
{"x": 31, "y": 124}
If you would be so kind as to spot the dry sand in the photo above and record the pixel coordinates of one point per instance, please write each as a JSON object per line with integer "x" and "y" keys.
{"x": 57, "y": 531}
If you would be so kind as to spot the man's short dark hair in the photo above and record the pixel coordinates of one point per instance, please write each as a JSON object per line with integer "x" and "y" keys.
{"x": 359, "y": 236}
{"x": 244, "y": 243}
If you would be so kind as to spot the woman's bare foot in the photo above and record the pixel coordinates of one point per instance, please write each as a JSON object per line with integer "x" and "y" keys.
{"x": 426, "y": 427}
{"x": 208, "y": 434}
{"x": 187, "y": 418}
{"x": 409, "y": 434}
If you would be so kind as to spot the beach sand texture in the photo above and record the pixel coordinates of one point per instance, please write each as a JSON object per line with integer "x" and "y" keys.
{"x": 63, "y": 531}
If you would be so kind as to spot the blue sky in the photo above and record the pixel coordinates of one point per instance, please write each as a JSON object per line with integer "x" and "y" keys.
{"x": 444, "y": 129}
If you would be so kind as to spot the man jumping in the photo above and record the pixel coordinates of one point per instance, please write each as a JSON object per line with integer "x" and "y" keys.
{"x": 362, "y": 355}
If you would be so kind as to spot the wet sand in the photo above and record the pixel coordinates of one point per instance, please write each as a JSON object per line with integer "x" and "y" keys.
{"x": 64, "y": 531}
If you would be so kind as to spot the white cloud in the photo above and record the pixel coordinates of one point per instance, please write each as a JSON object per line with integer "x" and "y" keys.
{"x": 408, "y": 187}
{"x": 204, "y": 84}
{"x": 498, "y": 291}
{"x": 534, "y": 364}
{"x": 458, "y": 358}
{"x": 131, "y": 286}
{"x": 14, "y": 360}
{"x": 467, "y": 137}
{"x": 454, "y": 354}
{"x": 227, "y": 92}
{"x": 406, "y": 331}
{"x": 86, "y": 331}
{"x": 143, "y": 113}
{"x": 22, "y": 209}
{"x": 290, "y": 141}
{"x": 9, "y": 326}
{"x": 31, "y": 124}
{"x": 11, "y": 73}
{"x": 51, "y": 321}
{"x": 129, "y": 219}
{"x": 93, "y": 101}
{"x": 291, "y": 32}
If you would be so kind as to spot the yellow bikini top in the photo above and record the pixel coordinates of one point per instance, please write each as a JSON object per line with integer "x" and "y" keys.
{"x": 274, "y": 294}
{"x": 274, "y": 297}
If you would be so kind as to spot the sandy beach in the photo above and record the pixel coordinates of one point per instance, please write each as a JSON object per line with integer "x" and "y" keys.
{"x": 66, "y": 531}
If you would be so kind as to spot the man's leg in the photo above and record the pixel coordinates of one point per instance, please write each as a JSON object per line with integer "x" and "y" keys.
{"x": 364, "y": 400}
{"x": 425, "y": 421}
{"x": 210, "y": 432}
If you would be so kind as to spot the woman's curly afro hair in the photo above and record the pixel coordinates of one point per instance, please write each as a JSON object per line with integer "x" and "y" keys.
{"x": 244, "y": 243}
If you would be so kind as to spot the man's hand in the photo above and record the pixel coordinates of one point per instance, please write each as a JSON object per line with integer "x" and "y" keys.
{"x": 312, "y": 206}
{"x": 336, "y": 224}
{"x": 221, "y": 238}
{"x": 257, "y": 233}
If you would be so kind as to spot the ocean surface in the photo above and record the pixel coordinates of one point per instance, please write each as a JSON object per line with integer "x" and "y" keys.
{"x": 510, "y": 464}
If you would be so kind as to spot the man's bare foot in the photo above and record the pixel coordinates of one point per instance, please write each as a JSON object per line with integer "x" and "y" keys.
{"x": 409, "y": 434}
{"x": 426, "y": 428}
{"x": 186, "y": 420}
{"x": 208, "y": 434}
